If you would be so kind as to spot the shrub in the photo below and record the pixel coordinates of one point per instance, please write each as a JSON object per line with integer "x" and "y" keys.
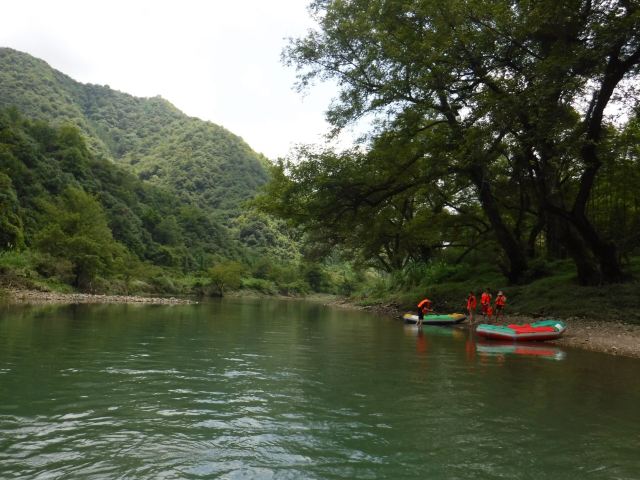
{"x": 260, "y": 285}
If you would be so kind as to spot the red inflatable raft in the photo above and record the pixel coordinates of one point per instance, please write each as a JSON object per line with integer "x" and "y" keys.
{"x": 543, "y": 330}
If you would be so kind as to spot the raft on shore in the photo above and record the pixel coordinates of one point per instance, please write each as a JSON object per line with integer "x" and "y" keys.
{"x": 433, "y": 319}
{"x": 537, "y": 331}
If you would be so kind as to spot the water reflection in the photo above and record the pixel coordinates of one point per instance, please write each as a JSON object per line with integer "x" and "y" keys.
{"x": 539, "y": 350}
{"x": 435, "y": 331}
{"x": 484, "y": 348}
{"x": 421, "y": 343}
{"x": 274, "y": 389}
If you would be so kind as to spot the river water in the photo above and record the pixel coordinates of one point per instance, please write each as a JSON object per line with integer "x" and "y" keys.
{"x": 241, "y": 389}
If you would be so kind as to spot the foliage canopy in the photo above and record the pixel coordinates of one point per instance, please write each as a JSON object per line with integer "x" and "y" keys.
{"x": 498, "y": 110}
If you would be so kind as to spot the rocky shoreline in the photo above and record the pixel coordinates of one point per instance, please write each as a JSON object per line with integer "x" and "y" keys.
{"x": 38, "y": 297}
{"x": 614, "y": 338}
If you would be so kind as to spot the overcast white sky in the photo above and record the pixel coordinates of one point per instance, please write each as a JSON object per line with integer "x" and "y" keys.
{"x": 216, "y": 60}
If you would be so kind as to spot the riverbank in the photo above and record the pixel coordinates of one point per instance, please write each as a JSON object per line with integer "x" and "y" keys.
{"x": 611, "y": 337}
{"x": 38, "y": 297}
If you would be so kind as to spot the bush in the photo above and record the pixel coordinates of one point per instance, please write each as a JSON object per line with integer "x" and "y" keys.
{"x": 12, "y": 261}
{"x": 163, "y": 284}
{"x": 59, "y": 269}
{"x": 226, "y": 276}
{"x": 259, "y": 285}
{"x": 294, "y": 288}
{"x": 137, "y": 287}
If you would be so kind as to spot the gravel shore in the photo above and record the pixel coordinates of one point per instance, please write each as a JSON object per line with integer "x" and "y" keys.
{"x": 614, "y": 338}
{"x": 36, "y": 297}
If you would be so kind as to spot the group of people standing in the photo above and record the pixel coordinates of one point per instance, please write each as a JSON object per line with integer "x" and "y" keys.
{"x": 486, "y": 309}
{"x": 485, "y": 305}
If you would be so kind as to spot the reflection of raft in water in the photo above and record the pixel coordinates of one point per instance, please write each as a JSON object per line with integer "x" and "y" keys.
{"x": 536, "y": 331}
{"x": 435, "y": 331}
{"x": 448, "y": 319}
{"x": 522, "y": 349}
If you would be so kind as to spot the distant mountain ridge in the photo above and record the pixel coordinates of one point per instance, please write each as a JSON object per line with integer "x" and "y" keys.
{"x": 200, "y": 162}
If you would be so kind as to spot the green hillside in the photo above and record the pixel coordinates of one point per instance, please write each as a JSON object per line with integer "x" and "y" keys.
{"x": 103, "y": 191}
{"x": 200, "y": 162}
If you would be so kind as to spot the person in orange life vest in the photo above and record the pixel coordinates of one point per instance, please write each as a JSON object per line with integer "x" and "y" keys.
{"x": 424, "y": 307}
{"x": 485, "y": 301}
{"x": 501, "y": 301}
{"x": 472, "y": 303}
{"x": 489, "y": 312}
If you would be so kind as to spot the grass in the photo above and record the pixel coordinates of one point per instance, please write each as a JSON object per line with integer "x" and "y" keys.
{"x": 556, "y": 295}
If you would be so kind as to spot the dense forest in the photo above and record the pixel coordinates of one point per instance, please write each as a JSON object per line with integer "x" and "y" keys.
{"x": 490, "y": 126}
{"x": 106, "y": 192}
{"x": 501, "y": 136}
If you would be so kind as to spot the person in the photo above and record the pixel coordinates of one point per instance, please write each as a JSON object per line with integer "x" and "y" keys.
{"x": 424, "y": 307}
{"x": 489, "y": 312}
{"x": 501, "y": 301}
{"x": 485, "y": 302}
{"x": 472, "y": 303}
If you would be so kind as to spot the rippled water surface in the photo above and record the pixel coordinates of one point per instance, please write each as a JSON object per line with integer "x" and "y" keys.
{"x": 289, "y": 389}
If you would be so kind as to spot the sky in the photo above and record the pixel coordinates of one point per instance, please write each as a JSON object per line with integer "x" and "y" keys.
{"x": 215, "y": 60}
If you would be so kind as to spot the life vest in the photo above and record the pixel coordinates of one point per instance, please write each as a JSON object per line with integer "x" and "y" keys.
{"x": 472, "y": 303}
{"x": 485, "y": 299}
{"x": 501, "y": 300}
{"x": 425, "y": 305}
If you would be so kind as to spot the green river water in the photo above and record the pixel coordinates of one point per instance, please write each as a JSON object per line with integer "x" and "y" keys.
{"x": 242, "y": 389}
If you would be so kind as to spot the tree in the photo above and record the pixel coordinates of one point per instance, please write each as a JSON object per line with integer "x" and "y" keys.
{"x": 492, "y": 81}
{"x": 11, "y": 229}
{"x": 226, "y": 276}
{"x": 76, "y": 229}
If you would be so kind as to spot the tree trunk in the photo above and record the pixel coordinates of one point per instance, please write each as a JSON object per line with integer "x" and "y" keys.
{"x": 510, "y": 245}
{"x": 606, "y": 252}
{"x": 586, "y": 265}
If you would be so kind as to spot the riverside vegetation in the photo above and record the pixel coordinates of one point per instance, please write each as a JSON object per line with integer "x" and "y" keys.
{"x": 104, "y": 192}
{"x": 493, "y": 155}
{"x": 492, "y": 160}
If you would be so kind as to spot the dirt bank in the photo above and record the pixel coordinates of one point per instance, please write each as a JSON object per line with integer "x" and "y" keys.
{"x": 615, "y": 338}
{"x": 37, "y": 297}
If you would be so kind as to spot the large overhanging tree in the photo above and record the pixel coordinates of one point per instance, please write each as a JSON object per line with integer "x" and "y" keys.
{"x": 519, "y": 87}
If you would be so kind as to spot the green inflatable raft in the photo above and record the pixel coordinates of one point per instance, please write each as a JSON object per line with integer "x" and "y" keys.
{"x": 447, "y": 319}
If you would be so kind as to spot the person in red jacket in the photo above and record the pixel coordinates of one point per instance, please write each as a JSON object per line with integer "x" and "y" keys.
{"x": 472, "y": 303}
{"x": 424, "y": 308}
{"x": 501, "y": 301}
{"x": 485, "y": 302}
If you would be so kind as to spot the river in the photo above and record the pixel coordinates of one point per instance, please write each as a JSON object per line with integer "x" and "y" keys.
{"x": 240, "y": 389}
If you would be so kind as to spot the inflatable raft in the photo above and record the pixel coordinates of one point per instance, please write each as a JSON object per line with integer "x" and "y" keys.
{"x": 448, "y": 319}
{"x": 536, "y": 331}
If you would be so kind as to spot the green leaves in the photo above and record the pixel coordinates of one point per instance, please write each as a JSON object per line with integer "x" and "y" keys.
{"x": 11, "y": 228}
{"x": 76, "y": 229}
{"x": 505, "y": 100}
{"x": 226, "y": 276}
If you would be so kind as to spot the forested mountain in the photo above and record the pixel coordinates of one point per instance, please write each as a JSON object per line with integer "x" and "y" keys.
{"x": 99, "y": 187}
{"x": 199, "y": 161}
